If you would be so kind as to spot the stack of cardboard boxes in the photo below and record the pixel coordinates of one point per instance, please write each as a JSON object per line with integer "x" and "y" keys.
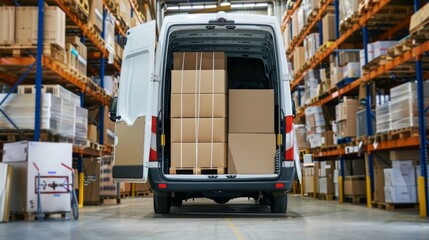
{"x": 198, "y": 110}
{"x": 76, "y": 53}
{"x": 400, "y": 180}
{"x": 19, "y": 26}
{"x": 251, "y": 138}
{"x": 318, "y": 133}
{"x": 346, "y": 117}
{"x": 326, "y": 177}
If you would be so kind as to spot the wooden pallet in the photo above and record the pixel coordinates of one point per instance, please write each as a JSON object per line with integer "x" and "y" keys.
{"x": 404, "y": 133}
{"x": 52, "y": 51}
{"x": 79, "y": 7}
{"x": 355, "y": 199}
{"x": 124, "y": 195}
{"x": 12, "y": 135}
{"x": 146, "y": 193}
{"x": 198, "y": 171}
{"x": 393, "y": 206}
{"x": 349, "y": 22}
{"x": 113, "y": 6}
{"x": 94, "y": 145}
{"x": 30, "y": 216}
{"x": 324, "y": 196}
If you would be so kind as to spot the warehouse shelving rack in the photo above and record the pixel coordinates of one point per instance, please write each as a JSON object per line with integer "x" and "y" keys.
{"x": 46, "y": 66}
{"x": 334, "y": 94}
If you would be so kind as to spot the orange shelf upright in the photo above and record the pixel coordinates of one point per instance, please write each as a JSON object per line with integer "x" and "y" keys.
{"x": 289, "y": 15}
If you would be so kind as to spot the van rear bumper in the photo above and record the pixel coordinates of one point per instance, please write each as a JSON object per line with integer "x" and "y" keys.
{"x": 285, "y": 178}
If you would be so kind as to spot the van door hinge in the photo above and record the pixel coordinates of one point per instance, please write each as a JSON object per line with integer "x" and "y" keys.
{"x": 155, "y": 78}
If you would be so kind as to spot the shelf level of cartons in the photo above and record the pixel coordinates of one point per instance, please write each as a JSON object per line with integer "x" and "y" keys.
{"x": 62, "y": 71}
{"x": 135, "y": 10}
{"x": 322, "y": 55}
{"x": 309, "y": 27}
{"x": 372, "y": 75}
{"x": 117, "y": 24}
{"x": 89, "y": 31}
{"x": 288, "y": 15}
{"x": 87, "y": 152}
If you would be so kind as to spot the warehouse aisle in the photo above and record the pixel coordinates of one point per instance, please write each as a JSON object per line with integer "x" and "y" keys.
{"x": 240, "y": 219}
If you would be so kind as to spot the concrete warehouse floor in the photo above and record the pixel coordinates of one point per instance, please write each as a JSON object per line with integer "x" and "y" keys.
{"x": 240, "y": 219}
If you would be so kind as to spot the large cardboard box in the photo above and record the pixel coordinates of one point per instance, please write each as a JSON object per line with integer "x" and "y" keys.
{"x": 205, "y": 105}
{"x": 326, "y": 185}
{"x": 251, "y": 111}
{"x": 125, "y": 11}
{"x": 298, "y": 58}
{"x": 419, "y": 18}
{"x": 209, "y": 130}
{"x": 251, "y": 153}
{"x": 53, "y": 28}
{"x": 347, "y": 128}
{"x": 7, "y": 25}
{"x": 96, "y": 14}
{"x": 205, "y": 81}
{"x": 355, "y": 185}
{"x": 199, "y": 60}
{"x": 379, "y": 195}
{"x": 401, "y": 194}
{"x": 328, "y": 22}
{"x": 399, "y": 176}
{"x": 405, "y": 155}
{"x": 346, "y": 109}
{"x": 92, "y": 174}
{"x": 308, "y": 184}
{"x": 184, "y": 155}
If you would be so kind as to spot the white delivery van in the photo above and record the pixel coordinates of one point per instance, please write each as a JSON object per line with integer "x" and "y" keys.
{"x": 251, "y": 153}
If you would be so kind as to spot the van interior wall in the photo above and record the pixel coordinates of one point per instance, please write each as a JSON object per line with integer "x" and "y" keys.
{"x": 245, "y": 70}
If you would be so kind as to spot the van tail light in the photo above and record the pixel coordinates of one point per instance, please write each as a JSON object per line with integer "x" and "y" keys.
{"x": 280, "y": 185}
{"x": 153, "y": 154}
{"x": 289, "y": 153}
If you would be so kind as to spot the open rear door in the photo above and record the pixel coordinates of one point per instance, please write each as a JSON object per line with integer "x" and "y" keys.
{"x": 134, "y": 110}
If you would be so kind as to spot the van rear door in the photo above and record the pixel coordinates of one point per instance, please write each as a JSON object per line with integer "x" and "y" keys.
{"x": 133, "y": 129}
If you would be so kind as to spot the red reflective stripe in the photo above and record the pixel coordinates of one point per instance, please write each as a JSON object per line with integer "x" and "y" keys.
{"x": 289, "y": 123}
{"x": 152, "y": 155}
{"x": 289, "y": 154}
{"x": 154, "y": 120}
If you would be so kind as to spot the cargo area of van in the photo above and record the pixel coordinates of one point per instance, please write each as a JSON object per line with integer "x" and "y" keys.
{"x": 221, "y": 106}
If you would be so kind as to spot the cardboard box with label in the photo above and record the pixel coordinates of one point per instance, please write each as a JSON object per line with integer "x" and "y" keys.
{"x": 192, "y": 155}
{"x": 355, "y": 185}
{"x": 7, "y": 25}
{"x": 251, "y": 153}
{"x": 96, "y": 14}
{"x": 251, "y": 111}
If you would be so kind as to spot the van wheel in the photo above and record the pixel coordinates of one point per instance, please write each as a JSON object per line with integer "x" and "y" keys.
{"x": 161, "y": 204}
{"x": 221, "y": 200}
{"x": 278, "y": 203}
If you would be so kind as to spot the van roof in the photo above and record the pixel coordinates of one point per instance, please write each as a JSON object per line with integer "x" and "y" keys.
{"x": 205, "y": 18}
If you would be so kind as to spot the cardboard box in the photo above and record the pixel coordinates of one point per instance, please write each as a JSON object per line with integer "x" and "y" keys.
{"x": 92, "y": 133}
{"x": 348, "y": 56}
{"x": 96, "y": 14}
{"x": 198, "y": 82}
{"x": 53, "y": 28}
{"x": 125, "y": 11}
{"x": 204, "y": 126}
{"x": 347, "y": 128}
{"x": 71, "y": 55}
{"x": 251, "y": 111}
{"x": 337, "y": 74}
{"x": 298, "y": 58}
{"x": 346, "y": 109}
{"x": 328, "y": 27}
{"x": 210, "y": 105}
{"x": 399, "y": 176}
{"x": 183, "y": 155}
{"x": 355, "y": 185}
{"x": 405, "y": 155}
{"x": 92, "y": 173}
{"x": 7, "y": 25}
{"x": 251, "y": 153}
{"x": 326, "y": 185}
{"x": 400, "y": 194}
{"x": 308, "y": 184}
{"x": 381, "y": 47}
{"x": 379, "y": 195}
{"x": 193, "y": 61}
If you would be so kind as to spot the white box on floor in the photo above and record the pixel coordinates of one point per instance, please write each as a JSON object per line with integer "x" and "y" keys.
{"x": 48, "y": 157}
{"x": 399, "y": 176}
{"x": 400, "y": 194}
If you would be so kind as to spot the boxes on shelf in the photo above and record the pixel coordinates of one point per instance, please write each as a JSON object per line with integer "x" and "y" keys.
{"x": 125, "y": 11}
{"x": 324, "y": 139}
{"x": 96, "y": 14}
{"x": 328, "y": 22}
{"x": 403, "y": 110}
{"x": 296, "y": 96}
{"x": 287, "y": 36}
{"x": 308, "y": 179}
{"x": 295, "y": 30}
{"x": 400, "y": 181}
{"x": 301, "y": 136}
{"x": 119, "y": 51}
{"x": 76, "y": 53}
{"x": 109, "y": 33}
{"x": 314, "y": 120}
{"x": 111, "y": 85}
{"x": 348, "y": 8}
{"x": 419, "y": 18}
{"x": 346, "y": 109}
{"x": 379, "y": 195}
{"x": 298, "y": 58}
{"x": 54, "y": 28}
{"x": 355, "y": 186}
{"x": 352, "y": 70}
{"x": 382, "y": 118}
{"x": 301, "y": 19}
{"x": 381, "y": 47}
{"x": 7, "y": 25}
{"x": 311, "y": 81}
{"x": 337, "y": 74}
{"x": 311, "y": 45}
{"x": 348, "y": 56}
